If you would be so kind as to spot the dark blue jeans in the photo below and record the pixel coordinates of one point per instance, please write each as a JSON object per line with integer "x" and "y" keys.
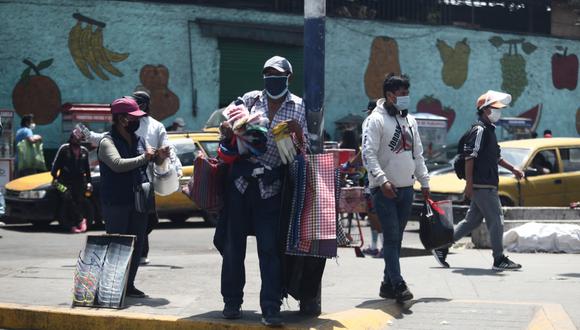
{"x": 246, "y": 213}
{"x": 393, "y": 215}
{"x": 123, "y": 219}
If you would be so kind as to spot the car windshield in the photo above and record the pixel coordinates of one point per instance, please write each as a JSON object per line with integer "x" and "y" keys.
{"x": 211, "y": 148}
{"x": 186, "y": 151}
{"x": 516, "y": 156}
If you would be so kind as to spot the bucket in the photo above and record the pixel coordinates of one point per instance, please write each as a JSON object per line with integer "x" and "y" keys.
{"x": 165, "y": 179}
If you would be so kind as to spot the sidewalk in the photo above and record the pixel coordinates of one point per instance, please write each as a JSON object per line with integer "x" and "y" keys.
{"x": 184, "y": 293}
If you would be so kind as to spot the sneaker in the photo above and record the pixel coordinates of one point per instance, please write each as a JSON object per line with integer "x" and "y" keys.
{"x": 504, "y": 263}
{"x": 381, "y": 254}
{"x": 386, "y": 291}
{"x": 144, "y": 261}
{"x": 232, "y": 312}
{"x": 310, "y": 307}
{"x": 272, "y": 319}
{"x": 370, "y": 251}
{"x": 402, "y": 292}
{"x": 135, "y": 293}
{"x": 440, "y": 255}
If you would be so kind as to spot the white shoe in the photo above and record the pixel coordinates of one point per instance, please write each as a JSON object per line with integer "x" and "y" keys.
{"x": 144, "y": 261}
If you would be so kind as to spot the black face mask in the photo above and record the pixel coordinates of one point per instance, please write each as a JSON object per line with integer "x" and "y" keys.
{"x": 133, "y": 126}
{"x": 276, "y": 86}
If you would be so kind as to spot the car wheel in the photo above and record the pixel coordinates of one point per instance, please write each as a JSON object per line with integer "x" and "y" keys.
{"x": 505, "y": 201}
{"x": 210, "y": 218}
{"x": 179, "y": 218}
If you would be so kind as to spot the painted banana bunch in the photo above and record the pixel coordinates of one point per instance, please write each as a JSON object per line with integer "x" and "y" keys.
{"x": 88, "y": 50}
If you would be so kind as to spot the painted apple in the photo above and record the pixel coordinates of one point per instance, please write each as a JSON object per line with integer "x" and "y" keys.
{"x": 429, "y": 104}
{"x": 564, "y": 69}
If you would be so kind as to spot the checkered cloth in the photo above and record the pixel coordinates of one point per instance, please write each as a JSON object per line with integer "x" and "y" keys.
{"x": 291, "y": 108}
{"x": 298, "y": 172}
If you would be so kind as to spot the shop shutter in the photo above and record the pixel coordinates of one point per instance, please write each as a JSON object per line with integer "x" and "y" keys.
{"x": 241, "y": 64}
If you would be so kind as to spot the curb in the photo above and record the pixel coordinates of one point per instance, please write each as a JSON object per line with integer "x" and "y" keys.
{"x": 377, "y": 315}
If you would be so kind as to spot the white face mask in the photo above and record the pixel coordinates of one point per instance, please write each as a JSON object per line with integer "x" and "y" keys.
{"x": 403, "y": 102}
{"x": 494, "y": 115}
{"x": 32, "y": 126}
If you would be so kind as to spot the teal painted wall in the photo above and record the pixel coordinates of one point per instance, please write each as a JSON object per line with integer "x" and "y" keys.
{"x": 163, "y": 34}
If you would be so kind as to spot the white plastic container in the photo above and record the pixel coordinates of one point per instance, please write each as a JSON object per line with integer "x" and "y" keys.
{"x": 165, "y": 179}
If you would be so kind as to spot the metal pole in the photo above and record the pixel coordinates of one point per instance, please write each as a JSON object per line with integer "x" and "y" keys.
{"x": 314, "y": 25}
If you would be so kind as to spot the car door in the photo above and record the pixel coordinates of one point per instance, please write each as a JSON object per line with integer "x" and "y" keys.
{"x": 544, "y": 182}
{"x": 571, "y": 168}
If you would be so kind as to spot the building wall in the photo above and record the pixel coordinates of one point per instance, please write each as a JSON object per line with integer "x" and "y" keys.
{"x": 164, "y": 44}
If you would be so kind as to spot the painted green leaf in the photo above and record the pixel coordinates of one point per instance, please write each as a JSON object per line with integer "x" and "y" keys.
{"x": 44, "y": 64}
{"x": 496, "y": 41}
{"x": 528, "y": 47}
{"x": 25, "y": 74}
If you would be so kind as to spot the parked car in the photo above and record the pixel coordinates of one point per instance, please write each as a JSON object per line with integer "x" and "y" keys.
{"x": 552, "y": 168}
{"x": 32, "y": 199}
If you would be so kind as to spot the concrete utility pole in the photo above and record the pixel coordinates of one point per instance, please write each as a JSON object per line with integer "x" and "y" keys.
{"x": 314, "y": 25}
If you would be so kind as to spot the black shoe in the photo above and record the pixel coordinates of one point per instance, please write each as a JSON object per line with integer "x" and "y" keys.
{"x": 504, "y": 263}
{"x": 441, "y": 255}
{"x": 386, "y": 291}
{"x": 310, "y": 307}
{"x": 232, "y": 312}
{"x": 133, "y": 292}
{"x": 402, "y": 292}
{"x": 272, "y": 319}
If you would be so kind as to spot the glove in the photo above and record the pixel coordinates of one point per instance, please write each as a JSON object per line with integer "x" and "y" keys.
{"x": 284, "y": 143}
{"x": 237, "y": 116}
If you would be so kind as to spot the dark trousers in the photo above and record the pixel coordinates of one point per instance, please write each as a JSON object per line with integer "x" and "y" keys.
{"x": 123, "y": 219}
{"x": 152, "y": 222}
{"x": 245, "y": 213}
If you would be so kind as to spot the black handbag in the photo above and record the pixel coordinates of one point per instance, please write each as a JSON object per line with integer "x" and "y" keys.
{"x": 436, "y": 225}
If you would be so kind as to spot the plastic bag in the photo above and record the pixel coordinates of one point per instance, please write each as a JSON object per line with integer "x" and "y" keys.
{"x": 165, "y": 179}
{"x": 30, "y": 156}
{"x": 436, "y": 224}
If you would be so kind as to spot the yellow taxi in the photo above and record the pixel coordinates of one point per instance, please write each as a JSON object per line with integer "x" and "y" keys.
{"x": 551, "y": 165}
{"x": 32, "y": 199}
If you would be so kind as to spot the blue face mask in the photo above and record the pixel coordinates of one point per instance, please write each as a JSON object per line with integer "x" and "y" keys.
{"x": 276, "y": 86}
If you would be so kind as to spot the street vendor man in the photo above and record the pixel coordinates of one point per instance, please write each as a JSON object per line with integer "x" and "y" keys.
{"x": 253, "y": 188}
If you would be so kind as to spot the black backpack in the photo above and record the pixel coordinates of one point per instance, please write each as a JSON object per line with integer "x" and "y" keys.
{"x": 459, "y": 162}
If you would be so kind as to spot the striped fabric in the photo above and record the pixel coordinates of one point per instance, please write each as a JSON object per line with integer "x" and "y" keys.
{"x": 206, "y": 183}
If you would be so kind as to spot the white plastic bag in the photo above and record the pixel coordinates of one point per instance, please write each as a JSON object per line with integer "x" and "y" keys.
{"x": 165, "y": 179}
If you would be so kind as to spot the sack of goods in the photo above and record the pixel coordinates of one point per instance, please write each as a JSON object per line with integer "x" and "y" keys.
{"x": 436, "y": 224}
{"x": 206, "y": 186}
{"x": 165, "y": 179}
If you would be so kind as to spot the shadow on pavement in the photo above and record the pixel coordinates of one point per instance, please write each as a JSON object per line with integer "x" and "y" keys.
{"x": 149, "y": 301}
{"x": 570, "y": 275}
{"x": 476, "y": 271}
{"x": 289, "y": 318}
{"x": 395, "y": 309}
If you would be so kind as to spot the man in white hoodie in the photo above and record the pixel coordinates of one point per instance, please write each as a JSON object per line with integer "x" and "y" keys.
{"x": 393, "y": 157}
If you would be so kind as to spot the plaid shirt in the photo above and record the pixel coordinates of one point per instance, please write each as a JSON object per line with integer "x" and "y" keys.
{"x": 292, "y": 108}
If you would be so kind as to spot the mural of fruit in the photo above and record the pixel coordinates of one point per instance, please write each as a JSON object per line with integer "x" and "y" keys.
{"x": 578, "y": 120}
{"x": 37, "y": 94}
{"x": 384, "y": 59}
{"x": 534, "y": 113}
{"x": 429, "y": 104}
{"x": 455, "y": 60}
{"x": 564, "y": 69}
{"x": 513, "y": 65}
{"x": 164, "y": 102}
{"x": 88, "y": 51}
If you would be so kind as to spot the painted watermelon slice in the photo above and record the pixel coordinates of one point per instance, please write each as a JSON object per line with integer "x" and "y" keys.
{"x": 534, "y": 114}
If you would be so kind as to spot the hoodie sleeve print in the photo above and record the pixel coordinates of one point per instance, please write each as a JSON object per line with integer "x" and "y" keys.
{"x": 473, "y": 142}
{"x": 372, "y": 131}
{"x": 421, "y": 172}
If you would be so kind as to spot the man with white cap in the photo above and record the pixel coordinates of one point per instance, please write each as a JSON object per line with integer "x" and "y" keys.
{"x": 482, "y": 157}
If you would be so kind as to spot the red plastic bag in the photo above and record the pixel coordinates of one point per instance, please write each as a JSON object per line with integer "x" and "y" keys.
{"x": 206, "y": 186}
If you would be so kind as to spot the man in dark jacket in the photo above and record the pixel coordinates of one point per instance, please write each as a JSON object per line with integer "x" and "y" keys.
{"x": 482, "y": 156}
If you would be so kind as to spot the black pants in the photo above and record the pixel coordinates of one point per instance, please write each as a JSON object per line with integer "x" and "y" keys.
{"x": 123, "y": 219}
